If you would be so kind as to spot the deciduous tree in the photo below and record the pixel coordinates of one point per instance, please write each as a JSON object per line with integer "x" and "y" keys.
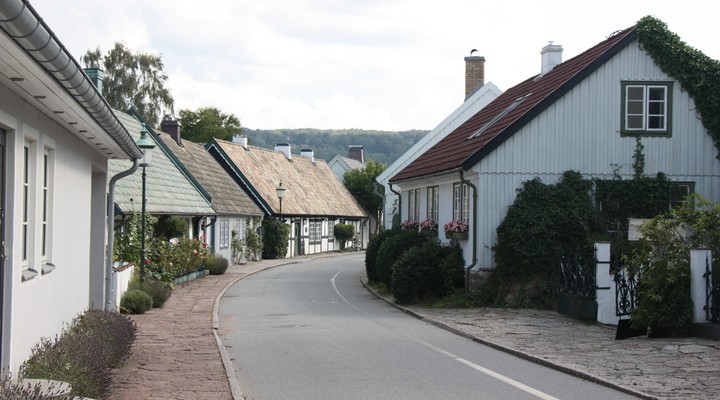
{"x": 208, "y": 122}
{"x": 362, "y": 185}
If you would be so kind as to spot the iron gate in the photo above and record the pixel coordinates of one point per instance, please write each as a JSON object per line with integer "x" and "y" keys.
{"x": 712, "y": 287}
{"x": 625, "y": 291}
{"x": 577, "y": 286}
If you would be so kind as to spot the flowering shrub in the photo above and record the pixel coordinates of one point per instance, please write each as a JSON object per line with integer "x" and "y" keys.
{"x": 409, "y": 224}
{"x": 456, "y": 226}
{"x": 167, "y": 259}
{"x": 428, "y": 225}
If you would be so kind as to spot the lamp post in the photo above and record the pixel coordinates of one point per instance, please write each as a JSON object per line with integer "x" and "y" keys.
{"x": 147, "y": 146}
{"x": 280, "y": 194}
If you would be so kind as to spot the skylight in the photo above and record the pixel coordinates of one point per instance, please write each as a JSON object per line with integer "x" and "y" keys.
{"x": 499, "y": 116}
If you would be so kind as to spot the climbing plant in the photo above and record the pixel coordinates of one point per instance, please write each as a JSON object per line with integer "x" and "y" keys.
{"x": 696, "y": 72}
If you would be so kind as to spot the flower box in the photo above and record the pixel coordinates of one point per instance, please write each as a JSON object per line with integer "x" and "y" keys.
{"x": 456, "y": 235}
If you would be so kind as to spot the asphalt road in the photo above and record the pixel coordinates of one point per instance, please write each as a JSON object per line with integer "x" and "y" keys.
{"x": 311, "y": 331}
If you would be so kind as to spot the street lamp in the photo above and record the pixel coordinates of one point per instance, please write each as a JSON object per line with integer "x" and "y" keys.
{"x": 147, "y": 146}
{"x": 280, "y": 194}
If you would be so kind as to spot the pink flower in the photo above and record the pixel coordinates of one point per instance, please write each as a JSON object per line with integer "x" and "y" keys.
{"x": 456, "y": 226}
{"x": 194, "y": 252}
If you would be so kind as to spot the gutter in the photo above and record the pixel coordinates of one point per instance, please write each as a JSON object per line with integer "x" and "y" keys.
{"x": 399, "y": 202}
{"x": 475, "y": 229}
{"x": 109, "y": 274}
{"x": 25, "y": 27}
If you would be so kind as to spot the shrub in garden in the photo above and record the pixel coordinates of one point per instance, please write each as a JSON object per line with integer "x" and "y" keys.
{"x": 253, "y": 243}
{"x": 371, "y": 253}
{"x": 159, "y": 291}
{"x": 275, "y": 239}
{"x": 343, "y": 233}
{"x": 391, "y": 249}
{"x": 170, "y": 226}
{"x": 216, "y": 265}
{"x": 136, "y": 302}
{"x": 428, "y": 271}
{"x": 166, "y": 260}
{"x": 84, "y": 354}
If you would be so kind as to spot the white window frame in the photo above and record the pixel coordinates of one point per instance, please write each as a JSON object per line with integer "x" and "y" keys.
{"x": 461, "y": 202}
{"x": 224, "y": 234}
{"x": 46, "y": 207}
{"x": 331, "y": 230}
{"x": 413, "y": 204}
{"x": 638, "y": 116}
{"x": 433, "y": 200}
{"x": 315, "y": 231}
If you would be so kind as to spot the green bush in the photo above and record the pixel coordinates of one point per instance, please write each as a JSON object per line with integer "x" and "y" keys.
{"x": 371, "y": 254}
{"x": 253, "y": 243}
{"x": 275, "y": 239}
{"x": 136, "y": 302}
{"x": 391, "y": 249}
{"x": 170, "y": 226}
{"x": 344, "y": 233}
{"x": 430, "y": 271}
{"x": 84, "y": 354}
{"x": 159, "y": 291}
{"x": 216, "y": 265}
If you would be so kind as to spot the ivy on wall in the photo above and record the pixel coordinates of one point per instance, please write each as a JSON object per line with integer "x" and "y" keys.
{"x": 696, "y": 72}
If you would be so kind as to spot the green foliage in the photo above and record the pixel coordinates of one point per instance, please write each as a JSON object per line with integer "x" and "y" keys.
{"x": 363, "y": 187}
{"x": 544, "y": 223}
{"x": 371, "y": 254}
{"x": 159, "y": 291}
{"x": 127, "y": 243}
{"x": 84, "y": 354}
{"x": 135, "y": 302}
{"x": 253, "y": 243}
{"x": 216, "y": 265}
{"x": 167, "y": 260}
{"x": 663, "y": 256}
{"x": 205, "y": 123}
{"x": 170, "y": 226}
{"x": 427, "y": 271}
{"x": 698, "y": 74}
{"x": 638, "y": 159}
{"x": 343, "y": 233}
{"x": 391, "y": 249}
{"x": 275, "y": 239}
{"x": 383, "y": 146}
{"x": 133, "y": 80}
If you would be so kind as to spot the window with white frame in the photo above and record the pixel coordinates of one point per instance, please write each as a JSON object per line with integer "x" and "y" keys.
{"x": 461, "y": 202}
{"x": 331, "y": 230}
{"x": 224, "y": 238}
{"x": 414, "y": 205}
{"x": 47, "y": 206}
{"x": 27, "y": 209}
{"x": 433, "y": 197}
{"x": 315, "y": 231}
{"x": 646, "y": 108}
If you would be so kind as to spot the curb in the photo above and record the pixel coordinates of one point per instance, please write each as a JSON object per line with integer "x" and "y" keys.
{"x": 510, "y": 350}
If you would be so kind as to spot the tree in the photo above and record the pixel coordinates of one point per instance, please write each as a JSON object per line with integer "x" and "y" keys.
{"x": 208, "y": 122}
{"x": 362, "y": 185}
{"x": 133, "y": 80}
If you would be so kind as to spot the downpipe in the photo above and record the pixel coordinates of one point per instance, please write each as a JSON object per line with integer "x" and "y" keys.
{"x": 399, "y": 203}
{"x": 109, "y": 275}
{"x": 468, "y": 287}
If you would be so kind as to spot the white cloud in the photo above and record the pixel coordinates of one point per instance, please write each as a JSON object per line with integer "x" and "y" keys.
{"x": 375, "y": 64}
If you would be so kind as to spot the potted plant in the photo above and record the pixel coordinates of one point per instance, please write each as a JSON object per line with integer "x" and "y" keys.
{"x": 409, "y": 224}
{"x": 429, "y": 227}
{"x": 456, "y": 230}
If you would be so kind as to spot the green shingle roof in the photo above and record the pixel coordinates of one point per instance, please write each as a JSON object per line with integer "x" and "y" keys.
{"x": 168, "y": 190}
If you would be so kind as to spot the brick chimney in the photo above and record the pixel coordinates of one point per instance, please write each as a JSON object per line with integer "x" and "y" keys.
{"x": 551, "y": 55}
{"x": 171, "y": 126}
{"x": 285, "y": 149}
{"x": 96, "y": 76}
{"x": 474, "y": 74}
{"x": 356, "y": 153}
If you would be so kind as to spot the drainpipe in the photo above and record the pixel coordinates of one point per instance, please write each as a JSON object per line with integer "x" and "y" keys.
{"x": 399, "y": 202}
{"x": 109, "y": 275}
{"x": 475, "y": 229}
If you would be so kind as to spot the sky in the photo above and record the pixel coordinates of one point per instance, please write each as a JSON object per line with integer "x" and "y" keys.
{"x": 347, "y": 64}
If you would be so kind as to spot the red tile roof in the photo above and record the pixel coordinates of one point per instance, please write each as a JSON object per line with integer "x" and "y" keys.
{"x": 458, "y": 151}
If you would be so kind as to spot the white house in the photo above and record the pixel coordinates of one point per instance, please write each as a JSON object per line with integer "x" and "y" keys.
{"x": 314, "y": 199}
{"x": 478, "y": 95}
{"x": 56, "y": 135}
{"x": 235, "y": 210}
{"x": 583, "y": 114}
{"x": 355, "y": 159}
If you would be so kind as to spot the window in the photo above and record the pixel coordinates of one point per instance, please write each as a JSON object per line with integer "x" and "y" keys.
{"x": 433, "y": 196}
{"x": 47, "y": 207}
{"x": 224, "y": 234}
{"x": 315, "y": 231}
{"x": 331, "y": 230}
{"x": 414, "y": 205}
{"x": 646, "y": 108}
{"x": 26, "y": 209}
{"x": 461, "y": 202}
{"x": 499, "y": 116}
{"x": 680, "y": 191}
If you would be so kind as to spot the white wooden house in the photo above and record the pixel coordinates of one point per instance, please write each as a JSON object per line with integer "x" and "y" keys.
{"x": 574, "y": 115}
{"x": 57, "y": 134}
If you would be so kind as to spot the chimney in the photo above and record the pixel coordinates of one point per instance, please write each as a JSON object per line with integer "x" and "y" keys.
{"x": 309, "y": 153}
{"x": 551, "y": 56}
{"x": 242, "y": 140}
{"x": 96, "y": 76}
{"x": 285, "y": 149}
{"x": 171, "y": 126}
{"x": 474, "y": 73}
{"x": 356, "y": 153}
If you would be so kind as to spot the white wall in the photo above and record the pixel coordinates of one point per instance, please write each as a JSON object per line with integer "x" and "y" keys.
{"x": 43, "y": 305}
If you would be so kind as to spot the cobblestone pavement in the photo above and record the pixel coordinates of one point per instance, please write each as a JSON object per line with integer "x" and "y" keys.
{"x": 177, "y": 355}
